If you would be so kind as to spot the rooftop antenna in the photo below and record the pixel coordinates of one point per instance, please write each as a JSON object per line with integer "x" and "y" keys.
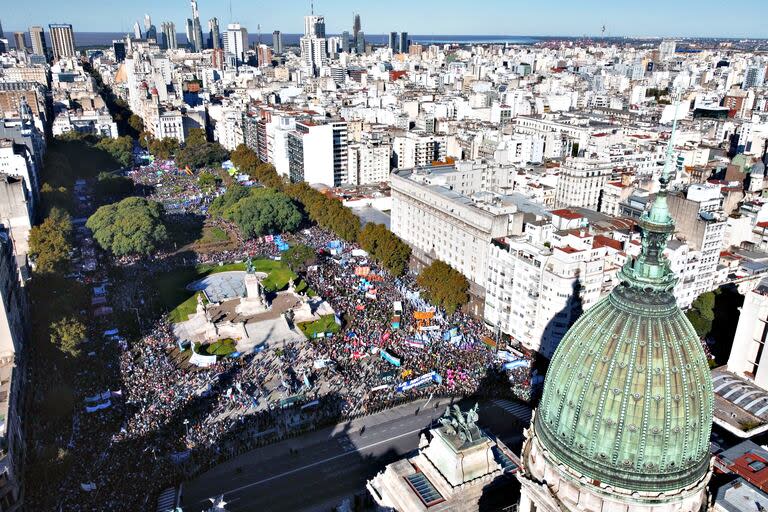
{"x": 312, "y": 7}
{"x": 230, "y": 11}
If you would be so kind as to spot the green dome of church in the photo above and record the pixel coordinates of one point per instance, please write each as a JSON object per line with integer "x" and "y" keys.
{"x": 628, "y": 395}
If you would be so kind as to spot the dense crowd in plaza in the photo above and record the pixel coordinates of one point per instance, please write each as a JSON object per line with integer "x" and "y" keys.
{"x": 166, "y": 419}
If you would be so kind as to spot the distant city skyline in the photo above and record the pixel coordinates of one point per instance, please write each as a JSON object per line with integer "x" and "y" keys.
{"x": 652, "y": 18}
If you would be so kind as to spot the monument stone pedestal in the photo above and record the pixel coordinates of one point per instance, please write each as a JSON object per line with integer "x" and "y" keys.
{"x": 460, "y": 462}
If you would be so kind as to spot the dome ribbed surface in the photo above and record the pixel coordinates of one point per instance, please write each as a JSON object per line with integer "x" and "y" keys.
{"x": 628, "y": 395}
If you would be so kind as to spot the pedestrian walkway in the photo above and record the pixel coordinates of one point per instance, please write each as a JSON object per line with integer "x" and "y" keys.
{"x": 516, "y": 409}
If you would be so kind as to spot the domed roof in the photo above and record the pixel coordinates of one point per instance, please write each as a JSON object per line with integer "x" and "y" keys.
{"x": 628, "y": 397}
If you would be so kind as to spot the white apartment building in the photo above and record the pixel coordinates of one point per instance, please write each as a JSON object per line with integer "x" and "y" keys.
{"x": 15, "y": 160}
{"x": 317, "y": 153}
{"x": 235, "y": 41}
{"x": 439, "y": 223}
{"x": 581, "y": 182}
{"x": 93, "y": 122}
{"x": 699, "y": 221}
{"x": 277, "y": 131}
{"x": 170, "y": 123}
{"x": 534, "y": 293}
{"x": 368, "y": 163}
{"x": 747, "y": 353}
{"x": 229, "y": 129}
{"x": 415, "y": 149}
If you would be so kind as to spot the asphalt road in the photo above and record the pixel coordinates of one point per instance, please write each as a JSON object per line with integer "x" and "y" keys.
{"x": 329, "y": 464}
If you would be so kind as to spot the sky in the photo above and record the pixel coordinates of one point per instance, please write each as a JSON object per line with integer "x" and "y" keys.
{"x": 656, "y": 18}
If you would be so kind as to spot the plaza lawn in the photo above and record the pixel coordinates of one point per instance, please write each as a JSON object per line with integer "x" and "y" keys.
{"x": 213, "y": 239}
{"x": 180, "y": 302}
{"x": 326, "y": 323}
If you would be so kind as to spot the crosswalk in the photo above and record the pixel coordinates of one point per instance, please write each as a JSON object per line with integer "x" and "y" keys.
{"x": 516, "y": 409}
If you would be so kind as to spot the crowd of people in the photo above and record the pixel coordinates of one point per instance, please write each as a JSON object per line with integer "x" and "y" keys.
{"x": 166, "y": 420}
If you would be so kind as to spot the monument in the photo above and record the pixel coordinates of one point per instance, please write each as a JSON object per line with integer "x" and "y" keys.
{"x": 236, "y": 305}
{"x": 453, "y": 468}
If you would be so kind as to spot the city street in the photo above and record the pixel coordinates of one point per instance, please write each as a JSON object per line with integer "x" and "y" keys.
{"x": 331, "y": 463}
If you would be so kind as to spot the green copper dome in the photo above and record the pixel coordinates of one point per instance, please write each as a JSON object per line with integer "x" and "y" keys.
{"x": 628, "y": 395}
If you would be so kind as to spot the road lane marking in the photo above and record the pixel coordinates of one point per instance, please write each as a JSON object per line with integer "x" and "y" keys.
{"x": 317, "y": 463}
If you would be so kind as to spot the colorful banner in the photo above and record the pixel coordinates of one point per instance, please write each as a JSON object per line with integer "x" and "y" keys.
{"x": 389, "y": 358}
{"x": 426, "y": 379}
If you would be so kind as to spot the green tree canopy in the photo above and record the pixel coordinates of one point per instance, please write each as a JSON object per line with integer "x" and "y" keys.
{"x": 136, "y": 122}
{"x": 263, "y": 212}
{"x": 196, "y": 137}
{"x": 55, "y": 197}
{"x": 702, "y": 313}
{"x": 68, "y": 334}
{"x": 234, "y": 193}
{"x": 132, "y": 226}
{"x": 207, "y": 181}
{"x": 164, "y": 148}
{"x": 299, "y": 257}
{"x": 111, "y": 187}
{"x": 121, "y": 149}
{"x": 245, "y": 159}
{"x": 49, "y": 243}
{"x": 195, "y": 156}
{"x": 386, "y": 247}
{"x": 444, "y": 286}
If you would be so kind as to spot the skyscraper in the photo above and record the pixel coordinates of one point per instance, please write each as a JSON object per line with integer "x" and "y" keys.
{"x": 345, "y": 41}
{"x": 37, "y": 38}
{"x": 214, "y": 36}
{"x": 62, "y": 40}
{"x": 277, "y": 42}
{"x": 118, "y": 46}
{"x": 236, "y": 42}
{"x": 190, "y": 31}
{"x": 356, "y": 26}
{"x": 197, "y": 30}
{"x": 360, "y": 42}
{"x": 169, "y": 40}
{"x": 625, "y": 419}
{"x": 20, "y": 41}
{"x": 137, "y": 30}
{"x": 315, "y": 26}
{"x": 404, "y": 43}
{"x": 393, "y": 41}
{"x": 150, "y": 31}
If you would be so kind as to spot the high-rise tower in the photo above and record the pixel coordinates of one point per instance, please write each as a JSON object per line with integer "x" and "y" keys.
{"x": 356, "y": 26}
{"x": 37, "y": 38}
{"x": 214, "y": 36}
{"x": 625, "y": 419}
{"x": 62, "y": 40}
{"x": 197, "y": 30}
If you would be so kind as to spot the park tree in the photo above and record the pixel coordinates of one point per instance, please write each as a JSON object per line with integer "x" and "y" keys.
{"x": 444, "y": 286}
{"x": 265, "y": 211}
{"x": 145, "y": 139}
{"x": 68, "y": 335}
{"x": 132, "y": 226}
{"x": 299, "y": 257}
{"x": 55, "y": 197}
{"x": 165, "y": 148}
{"x": 136, "y": 123}
{"x": 386, "y": 247}
{"x": 207, "y": 181}
{"x": 245, "y": 159}
{"x": 111, "y": 187}
{"x": 234, "y": 193}
{"x": 121, "y": 149}
{"x": 49, "y": 242}
{"x": 702, "y": 313}
{"x": 196, "y": 137}
{"x": 207, "y": 154}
